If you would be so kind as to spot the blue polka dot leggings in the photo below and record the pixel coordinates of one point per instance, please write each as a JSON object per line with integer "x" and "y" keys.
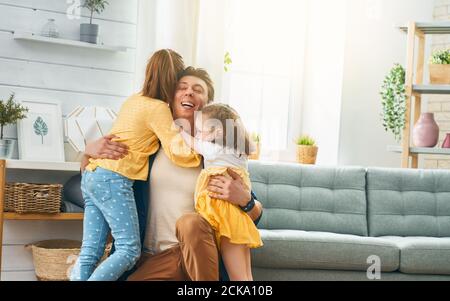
{"x": 109, "y": 205}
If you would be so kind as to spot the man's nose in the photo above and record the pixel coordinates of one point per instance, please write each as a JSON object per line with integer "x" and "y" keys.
{"x": 189, "y": 91}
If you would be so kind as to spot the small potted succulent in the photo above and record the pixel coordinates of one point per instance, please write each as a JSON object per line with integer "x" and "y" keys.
{"x": 256, "y": 139}
{"x": 10, "y": 113}
{"x": 89, "y": 32}
{"x": 440, "y": 67}
{"x": 306, "y": 150}
{"x": 393, "y": 95}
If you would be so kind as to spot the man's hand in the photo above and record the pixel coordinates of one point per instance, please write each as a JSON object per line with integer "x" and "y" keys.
{"x": 105, "y": 148}
{"x": 232, "y": 190}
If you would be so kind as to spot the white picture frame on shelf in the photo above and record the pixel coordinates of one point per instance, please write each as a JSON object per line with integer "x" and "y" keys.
{"x": 41, "y": 135}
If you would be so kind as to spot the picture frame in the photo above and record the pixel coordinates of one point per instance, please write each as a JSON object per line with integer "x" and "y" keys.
{"x": 41, "y": 135}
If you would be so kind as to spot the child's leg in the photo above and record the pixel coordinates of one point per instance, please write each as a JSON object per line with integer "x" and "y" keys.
{"x": 235, "y": 259}
{"x": 249, "y": 265}
{"x": 121, "y": 215}
{"x": 95, "y": 231}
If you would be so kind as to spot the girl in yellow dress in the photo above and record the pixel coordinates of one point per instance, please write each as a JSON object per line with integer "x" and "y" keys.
{"x": 224, "y": 143}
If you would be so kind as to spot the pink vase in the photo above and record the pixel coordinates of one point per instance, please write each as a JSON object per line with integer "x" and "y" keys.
{"x": 446, "y": 143}
{"x": 426, "y": 131}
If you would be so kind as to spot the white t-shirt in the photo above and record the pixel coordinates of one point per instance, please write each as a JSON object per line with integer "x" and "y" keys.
{"x": 172, "y": 191}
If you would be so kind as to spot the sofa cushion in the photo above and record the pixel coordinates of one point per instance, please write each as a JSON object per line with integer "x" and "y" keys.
{"x": 423, "y": 255}
{"x": 311, "y": 198}
{"x": 291, "y": 249}
{"x": 408, "y": 202}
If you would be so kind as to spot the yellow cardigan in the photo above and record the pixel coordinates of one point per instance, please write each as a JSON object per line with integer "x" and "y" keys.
{"x": 142, "y": 124}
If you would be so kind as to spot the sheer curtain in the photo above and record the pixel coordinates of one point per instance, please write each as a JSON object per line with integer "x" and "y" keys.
{"x": 266, "y": 40}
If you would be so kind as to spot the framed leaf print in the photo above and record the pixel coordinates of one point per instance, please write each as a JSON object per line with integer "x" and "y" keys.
{"x": 41, "y": 133}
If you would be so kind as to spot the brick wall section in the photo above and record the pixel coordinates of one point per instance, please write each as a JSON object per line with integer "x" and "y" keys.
{"x": 440, "y": 104}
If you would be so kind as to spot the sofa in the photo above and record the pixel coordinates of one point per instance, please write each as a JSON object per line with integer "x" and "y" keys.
{"x": 343, "y": 223}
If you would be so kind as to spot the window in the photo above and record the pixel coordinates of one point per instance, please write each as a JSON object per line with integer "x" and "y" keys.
{"x": 265, "y": 39}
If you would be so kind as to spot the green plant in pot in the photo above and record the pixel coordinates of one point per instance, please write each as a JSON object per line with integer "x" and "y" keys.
{"x": 440, "y": 67}
{"x": 393, "y": 94}
{"x": 306, "y": 150}
{"x": 10, "y": 113}
{"x": 89, "y": 32}
{"x": 256, "y": 140}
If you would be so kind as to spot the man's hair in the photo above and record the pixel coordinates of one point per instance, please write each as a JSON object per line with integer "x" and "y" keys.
{"x": 201, "y": 74}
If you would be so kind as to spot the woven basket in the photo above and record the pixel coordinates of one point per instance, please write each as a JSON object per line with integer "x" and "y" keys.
{"x": 440, "y": 74}
{"x": 33, "y": 198}
{"x": 54, "y": 259}
{"x": 307, "y": 154}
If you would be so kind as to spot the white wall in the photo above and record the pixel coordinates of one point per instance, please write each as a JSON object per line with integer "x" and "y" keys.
{"x": 73, "y": 76}
{"x": 373, "y": 45}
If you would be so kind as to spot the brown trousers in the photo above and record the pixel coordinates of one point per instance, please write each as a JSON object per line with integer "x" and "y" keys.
{"x": 195, "y": 258}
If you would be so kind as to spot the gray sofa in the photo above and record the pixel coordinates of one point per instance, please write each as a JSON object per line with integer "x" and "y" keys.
{"x": 325, "y": 223}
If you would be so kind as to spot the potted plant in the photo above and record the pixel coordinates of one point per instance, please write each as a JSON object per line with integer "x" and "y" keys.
{"x": 10, "y": 112}
{"x": 89, "y": 32}
{"x": 440, "y": 67}
{"x": 393, "y": 94}
{"x": 306, "y": 150}
{"x": 256, "y": 139}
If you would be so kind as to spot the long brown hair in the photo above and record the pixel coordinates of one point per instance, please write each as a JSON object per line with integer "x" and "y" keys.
{"x": 231, "y": 135}
{"x": 161, "y": 75}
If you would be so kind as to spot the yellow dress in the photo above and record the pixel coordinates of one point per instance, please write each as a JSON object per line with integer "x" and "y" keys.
{"x": 225, "y": 218}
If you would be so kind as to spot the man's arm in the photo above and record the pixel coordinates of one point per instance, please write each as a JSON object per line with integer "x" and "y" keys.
{"x": 234, "y": 191}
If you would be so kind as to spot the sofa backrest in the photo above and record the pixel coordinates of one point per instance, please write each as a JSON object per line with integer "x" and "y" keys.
{"x": 405, "y": 202}
{"x": 311, "y": 198}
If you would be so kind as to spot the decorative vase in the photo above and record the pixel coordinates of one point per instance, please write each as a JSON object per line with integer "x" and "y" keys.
{"x": 89, "y": 33}
{"x": 446, "y": 143}
{"x": 426, "y": 131}
{"x": 440, "y": 74}
{"x": 50, "y": 30}
{"x": 307, "y": 154}
{"x": 7, "y": 148}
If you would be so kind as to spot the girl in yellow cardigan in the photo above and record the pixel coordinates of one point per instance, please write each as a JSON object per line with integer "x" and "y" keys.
{"x": 224, "y": 143}
{"x": 143, "y": 124}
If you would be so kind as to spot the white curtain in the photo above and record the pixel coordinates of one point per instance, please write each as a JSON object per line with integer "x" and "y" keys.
{"x": 166, "y": 24}
{"x": 268, "y": 43}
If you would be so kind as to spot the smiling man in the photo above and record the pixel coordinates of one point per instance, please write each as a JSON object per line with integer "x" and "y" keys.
{"x": 178, "y": 243}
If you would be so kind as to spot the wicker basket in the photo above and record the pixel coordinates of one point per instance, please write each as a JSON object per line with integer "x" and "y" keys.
{"x": 440, "y": 74}
{"x": 307, "y": 154}
{"x": 53, "y": 259}
{"x": 33, "y": 198}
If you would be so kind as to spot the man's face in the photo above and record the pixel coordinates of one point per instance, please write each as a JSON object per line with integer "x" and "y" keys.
{"x": 190, "y": 96}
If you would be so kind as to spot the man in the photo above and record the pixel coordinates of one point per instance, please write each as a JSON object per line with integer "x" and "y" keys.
{"x": 178, "y": 243}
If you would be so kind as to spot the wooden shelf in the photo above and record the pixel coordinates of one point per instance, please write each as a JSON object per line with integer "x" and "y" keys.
{"x": 35, "y": 165}
{"x": 431, "y": 89}
{"x": 442, "y": 27}
{"x": 28, "y": 36}
{"x": 421, "y": 150}
{"x": 44, "y": 217}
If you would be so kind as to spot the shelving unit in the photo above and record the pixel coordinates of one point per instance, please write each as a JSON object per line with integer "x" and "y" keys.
{"x": 416, "y": 88}
{"x": 28, "y": 165}
{"x": 28, "y": 36}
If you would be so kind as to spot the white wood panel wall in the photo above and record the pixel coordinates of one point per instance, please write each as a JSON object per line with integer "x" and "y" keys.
{"x": 73, "y": 76}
